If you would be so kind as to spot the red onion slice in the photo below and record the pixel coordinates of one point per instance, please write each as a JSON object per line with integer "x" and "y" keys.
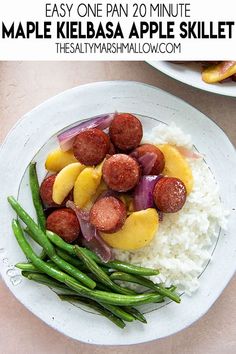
{"x": 188, "y": 153}
{"x": 143, "y": 194}
{"x": 66, "y": 138}
{"x": 98, "y": 246}
{"x": 87, "y": 229}
{"x": 147, "y": 161}
{"x": 91, "y": 237}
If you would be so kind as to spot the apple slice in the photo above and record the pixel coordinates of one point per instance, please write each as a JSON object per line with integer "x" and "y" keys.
{"x": 219, "y": 72}
{"x": 58, "y": 159}
{"x": 86, "y": 185}
{"x": 65, "y": 181}
{"x": 138, "y": 231}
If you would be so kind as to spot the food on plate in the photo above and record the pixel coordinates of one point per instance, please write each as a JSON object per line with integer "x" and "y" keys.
{"x": 125, "y": 131}
{"x": 217, "y": 72}
{"x": 58, "y": 159}
{"x": 139, "y": 229}
{"x": 112, "y": 149}
{"x": 64, "y": 223}
{"x": 65, "y": 180}
{"x": 121, "y": 172}
{"x": 108, "y": 214}
{"x": 91, "y": 146}
{"x": 138, "y": 203}
{"x": 158, "y": 163}
{"x": 169, "y": 194}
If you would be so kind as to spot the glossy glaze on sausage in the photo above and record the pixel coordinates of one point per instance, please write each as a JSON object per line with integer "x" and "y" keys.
{"x": 126, "y": 131}
{"x": 169, "y": 194}
{"x": 121, "y": 172}
{"x": 91, "y": 146}
{"x": 108, "y": 214}
{"x": 64, "y": 223}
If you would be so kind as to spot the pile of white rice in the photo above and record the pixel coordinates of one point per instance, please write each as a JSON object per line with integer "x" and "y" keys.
{"x": 182, "y": 244}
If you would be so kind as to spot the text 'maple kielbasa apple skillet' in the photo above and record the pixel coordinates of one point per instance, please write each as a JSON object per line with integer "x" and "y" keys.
{"x": 104, "y": 191}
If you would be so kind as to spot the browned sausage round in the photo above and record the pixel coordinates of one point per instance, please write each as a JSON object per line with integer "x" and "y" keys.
{"x": 121, "y": 172}
{"x": 91, "y": 146}
{"x": 46, "y": 191}
{"x": 126, "y": 131}
{"x": 64, "y": 223}
{"x": 169, "y": 194}
{"x": 108, "y": 214}
{"x": 112, "y": 149}
{"x": 160, "y": 159}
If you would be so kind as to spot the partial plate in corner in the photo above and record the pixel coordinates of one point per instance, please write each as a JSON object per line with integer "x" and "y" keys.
{"x": 190, "y": 74}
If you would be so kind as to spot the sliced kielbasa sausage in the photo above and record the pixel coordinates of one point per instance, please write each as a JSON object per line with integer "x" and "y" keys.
{"x": 169, "y": 194}
{"x": 108, "y": 214}
{"x": 46, "y": 191}
{"x": 91, "y": 146}
{"x": 112, "y": 149}
{"x": 125, "y": 131}
{"x": 64, "y": 223}
{"x": 159, "y": 164}
{"x": 121, "y": 172}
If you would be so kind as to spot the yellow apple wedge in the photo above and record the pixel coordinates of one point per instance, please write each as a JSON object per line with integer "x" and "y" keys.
{"x": 138, "y": 231}
{"x": 65, "y": 181}
{"x": 86, "y": 185}
{"x": 177, "y": 166}
{"x": 58, "y": 159}
{"x": 219, "y": 72}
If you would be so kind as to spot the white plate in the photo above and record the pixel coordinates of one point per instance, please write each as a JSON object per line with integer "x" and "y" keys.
{"x": 34, "y": 135}
{"x": 190, "y": 73}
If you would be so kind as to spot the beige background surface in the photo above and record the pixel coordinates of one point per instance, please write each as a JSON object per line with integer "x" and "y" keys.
{"x": 23, "y": 86}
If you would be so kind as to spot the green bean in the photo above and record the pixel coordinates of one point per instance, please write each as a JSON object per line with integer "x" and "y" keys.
{"x": 42, "y": 239}
{"x": 98, "y": 272}
{"x": 97, "y": 295}
{"x": 62, "y": 262}
{"x": 29, "y": 267}
{"x": 34, "y": 186}
{"x": 116, "y": 264}
{"x": 95, "y": 306}
{"x": 44, "y": 279}
{"x": 172, "y": 288}
{"x": 43, "y": 255}
{"x": 113, "y": 298}
{"x": 75, "y": 261}
{"x": 119, "y": 312}
{"x": 147, "y": 283}
{"x": 100, "y": 286}
{"x": 131, "y": 310}
{"x": 48, "y": 281}
{"x": 136, "y": 313}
